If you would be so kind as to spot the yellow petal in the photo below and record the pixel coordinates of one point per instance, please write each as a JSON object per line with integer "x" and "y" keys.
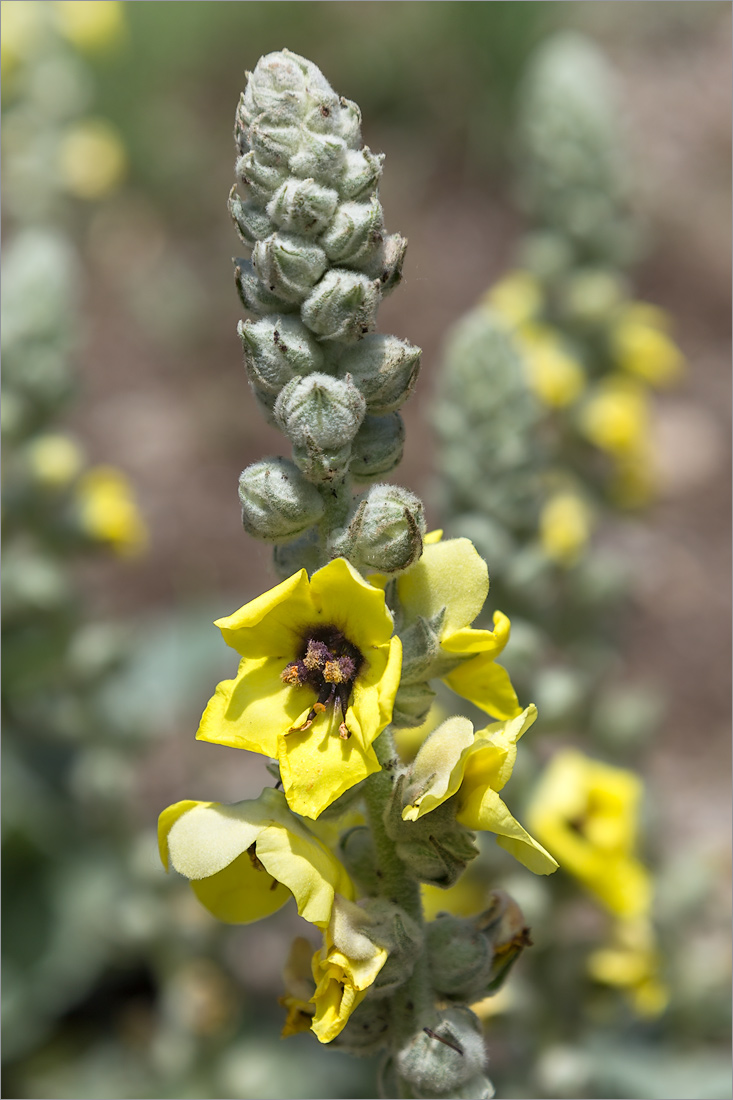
{"x": 241, "y": 894}
{"x": 317, "y": 766}
{"x": 494, "y": 750}
{"x": 486, "y": 685}
{"x": 307, "y": 868}
{"x": 490, "y": 642}
{"x": 432, "y": 537}
{"x": 450, "y": 575}
{"x": 437, "y": 770}
{"x": 279, "y": 616}
{"x": 166, "y": 821}
{"x": 250, "y": 711}
{"x": 341, "y": 596}
{"x": 485, "y": 810}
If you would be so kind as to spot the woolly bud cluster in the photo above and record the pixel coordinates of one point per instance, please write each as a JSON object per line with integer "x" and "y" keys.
{"x": 320, "y": 265}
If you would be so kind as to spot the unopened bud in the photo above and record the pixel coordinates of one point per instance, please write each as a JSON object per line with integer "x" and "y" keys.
{"x": 377, "y": 448}
{"x": 250, "y": 219}
{"x": 412, "y": 704}
{"x": 386, "y": 263}
{"x": 368, "y": 1028}
{"x": 261, "y": 180}
{"x": 356, "y": 849}
{"x": 254, "y": 295}
{"x": 278, "y": 503}
{"x": 460, "y": 958}
{"x": 288, "y": 266}
{"x": 435, "y": 847}
{"x": 361, "y": 173}
{"x": 386, "y": 532}
{"x": 276, "y": 349}
{"x": 384, "y": 368}
{"x": 320, "y": 410}
{"x": 322, "y": 466}
{"x": 355, "y": 232}
{"x": 303, "y": 207}
{"x": 343, "y": 306}
{"x": 441, "y": 1058}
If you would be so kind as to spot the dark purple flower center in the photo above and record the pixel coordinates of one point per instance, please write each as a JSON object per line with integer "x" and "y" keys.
{"x": 328, "y": 664}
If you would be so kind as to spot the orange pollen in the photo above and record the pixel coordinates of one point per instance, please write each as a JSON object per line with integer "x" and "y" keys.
{"x": 332, "y": 673}
{"x": 290, "y": 675}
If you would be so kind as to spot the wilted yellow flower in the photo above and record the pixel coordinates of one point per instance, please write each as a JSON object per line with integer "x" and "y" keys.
{"x": 631, "y": 962}
{"x": 91, "y": 24}
{"x": 474, "y": 767}
{"x": 54, "y": 459}
{"x": 246, "y": 860}
{"x": 344, "y": 968}
{"x": 92, "y": 159}
{"x": 615, "y": 416}
{"x": 553, "y": 373}
{"x": 451, "y": 577}
{"x": 517, "y": 297}
{"x": 566, "y": 523}
{"x": 316, "y": 684}
{"x": 108, "y": 511}
{"x": 586, "y": 813}
{"x": 642, "y": 346}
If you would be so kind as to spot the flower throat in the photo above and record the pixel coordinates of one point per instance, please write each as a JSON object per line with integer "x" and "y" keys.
{"x": 329, "y": 665}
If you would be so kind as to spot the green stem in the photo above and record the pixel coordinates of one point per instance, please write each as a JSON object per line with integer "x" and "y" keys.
{"x": 412, "y": 1003}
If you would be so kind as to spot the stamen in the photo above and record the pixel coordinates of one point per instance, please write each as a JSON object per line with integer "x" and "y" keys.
{"x": 295, "y": 674}
{"x": 316, "y": 655}
{"x": 255, "y": 861}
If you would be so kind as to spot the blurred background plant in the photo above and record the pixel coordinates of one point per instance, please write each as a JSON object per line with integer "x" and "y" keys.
{"x": 117, "y": 149}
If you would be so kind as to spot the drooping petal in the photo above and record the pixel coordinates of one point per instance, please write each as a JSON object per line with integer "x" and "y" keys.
{"x": 489, "y": 642}
{"x": 278, "y": 615}
{"x": 486, "y": 685}
{"x": 483, "y": 809}
{"x": 250, "y": 711}
{"x": 491, "y": 761}
{"x": 437, "y": 770}
{"x": 241, "y": 893}
{"x": 450, "y": 575}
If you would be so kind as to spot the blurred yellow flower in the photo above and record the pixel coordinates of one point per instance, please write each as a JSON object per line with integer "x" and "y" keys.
{"x": 554, "y": 375}
{"x": 566, "y": 522}
{"x": 473, "y": 767}
{"x": 246, "y": 860}
{"x": 20, "y": 24}
{"x": 316, "y": 684}
{"x": 615, "y": 417}
{"x": 54, "y": 459}
{"x": 91, "y": 24}
{"x": 92, "y": 160}
{"x": 344, "y": 968}
{"x": 631, "y": 962}
{"x": 586, "y": 813}
{"x": 108, "y": 510}
{"x": 451, "y": 580}
{"x": 641, "y": 345}
{"x": 517, "y": 297}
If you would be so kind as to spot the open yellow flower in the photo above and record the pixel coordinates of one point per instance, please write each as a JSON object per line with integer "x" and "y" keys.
{"x": 316, "y": 684}
{"x": 344, "y": 968}
{"x": 631, "y": 962}
{"x": 474, "y": 766}
{"x": 586, "y": 812}
{"x": 451, "y": 577}
{"x": 108, "y": 511}
{"x": 246, "y": 860}
{"x": 616, "y": 416}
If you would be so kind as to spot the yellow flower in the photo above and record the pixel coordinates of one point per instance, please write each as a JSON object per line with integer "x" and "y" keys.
{"x": 641, "y": 345}
{"x": 554, "y": 375}
{"x": 473, "y": 767}
{"x": 92, "y": 159}
{"x": 452, "y": 578}
{"x": 631, "y": 962}
{"x": 108, "y": 511}
{"x": 586, "y": 812}
{"x": 54, "y": 459}
{"x": 517, "y": 297}
{"x": 246, "y": 860}
{"x": 316, "y": 683}
{"x": 616, "y": 416}
{"x": 565, "y": 527}
{"x": 344, "y": 968}
{"x": 90, "y": 24}
{"x": 22, "y": 24}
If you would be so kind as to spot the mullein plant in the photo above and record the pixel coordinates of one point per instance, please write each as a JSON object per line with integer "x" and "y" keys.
{"x": 544, "y": 426}
{"x": 372, "y": 610}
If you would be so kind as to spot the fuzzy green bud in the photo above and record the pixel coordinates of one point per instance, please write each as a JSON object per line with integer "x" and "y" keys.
{"x": 278, "y": 504}
{"x": 356, "y": 851}
{"x": 460, "y": 957}
{"x": 386, "y": 531}
{"x": 261, "y": 180}
{"x": 343, "y": 306}
{"x": 254, "y": 295}
{"x": 251, "y": 222}
{"x": 303, "y": 207}
{"x": 276, "y": 349}
{"x": 412, "y": 704}
{"x": 377, "y": 448}
{"x": 440, "y": 1059}
{"x": 386, "y": 263}
{"x": 321, "y": 466}
{"x": 361, "y": 173}
{"x": 384, "y": 368}
{"x": 320, "y": 409}
{"x": 367, "y": 1030}
{"x": 393, "y": 929}
{"x": 435, "y": 847}
{"x": 355, "y": 233}
{"x": 288, "y": 266}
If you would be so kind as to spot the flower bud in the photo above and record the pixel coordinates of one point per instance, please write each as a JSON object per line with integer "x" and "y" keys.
{"x": 378, "y": 446}
{"x": 322, "y": 466}
{"x": 355, "y": 232}
{"x": 343, "y": 306}
{"x": 279, "y": 83}
{"x": 386, "y": 532}
{"x": 320, "y": 157}
{"x": 460, "y": 958}
{"x": 435, "y": 847}
{"x": 396, "y": 931}
{"x": 276, "y": 349}
{"x": 250, "y": 219}
{"x": 386, "y": 263}
{"x": 384, "y": 368}
{"x": 320, "y": 410}
{"x": 440, "y": 1059}
{"x": 356, "y": 851}
{"x": 503, "y": 924}
{"x": 277, "y": 502}
{"x": 289, "y": 266}
{"x": 272, "y": 142}
{"x": 362, "y": 170}
{"x": 303, "y": 207}
{"x": 254, "y": 295}
{"x": 412, "y": 704}
{"x": 261, "y": 180}
{"x": 367, "y": 1030}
